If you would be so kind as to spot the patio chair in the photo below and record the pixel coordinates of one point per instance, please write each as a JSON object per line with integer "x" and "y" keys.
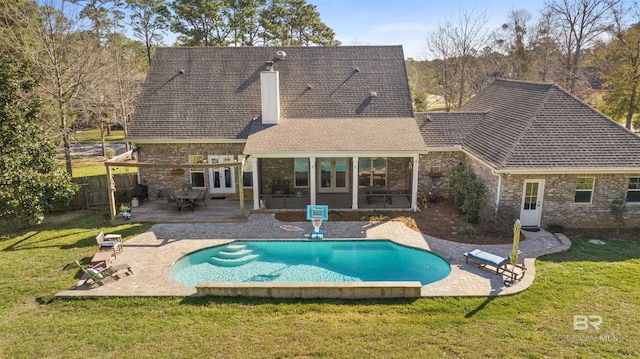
{"x": 169, "y": 197}
{"x": 514, "y": 272}
{"x": 202, "y": 198}
{"x": 97, "y": 274}
{"x": 111, "y": 242}
{"x": 183, "y": 204}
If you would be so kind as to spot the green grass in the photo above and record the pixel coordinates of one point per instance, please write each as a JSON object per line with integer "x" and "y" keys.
{"x": 84, "y": 166}
{"x": 93, "y": 136}
{"x": 37, "y": 262}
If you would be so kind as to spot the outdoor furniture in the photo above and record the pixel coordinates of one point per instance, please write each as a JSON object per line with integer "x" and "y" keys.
{"x": 502, "y": 265}
{"x": 97, "y": 274}
{"x": 202, "y": 198}
{"x": 141, "y": 192}
{"x": 372, "y": 192}
{"x": 111, "y": 242}
{"x": 167, "y": 196}
{"x": 101, "y": 259}
{"x": 189, "y": 196}
{"x": 182, "y": 204}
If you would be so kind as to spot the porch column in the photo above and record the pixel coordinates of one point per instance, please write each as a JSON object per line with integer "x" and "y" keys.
{"x": 354, "y": 185}
{"x": 414, "y": 183}
{"x": 256, "y": 183}
{"x": 312, "y": 180}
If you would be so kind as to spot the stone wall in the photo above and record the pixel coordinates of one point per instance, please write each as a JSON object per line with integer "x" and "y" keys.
{"x": 559, "y": 205}
{"x": 157, "y": 178}
{"x": 436, "y": 167}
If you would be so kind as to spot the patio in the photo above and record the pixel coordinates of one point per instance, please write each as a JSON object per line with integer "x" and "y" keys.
{"x": 216, "y": 210}
{"x": 152, "y": 254}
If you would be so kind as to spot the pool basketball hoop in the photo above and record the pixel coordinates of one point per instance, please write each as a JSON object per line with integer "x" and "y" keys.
{"x": 317, "y": 214}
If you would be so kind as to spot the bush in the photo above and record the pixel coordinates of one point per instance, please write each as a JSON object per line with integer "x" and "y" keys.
{"x": 110, "y": 152}
{"x": 123, "y": 196}
{"x": 499, "y": 223}
{"x": 555, "y": 228}
{"x": 466, "y": 193}
{"x": 619, "y": 211}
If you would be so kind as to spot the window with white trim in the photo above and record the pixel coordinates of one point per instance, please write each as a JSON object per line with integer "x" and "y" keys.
{"x": 247, "y": 173}
{"x": 372, "y": 172}
{"x": 633, "y": 192}
{"x": 584, "y": 189}
{"x": 196, "y": 174}
{"x": 301, "y": 172}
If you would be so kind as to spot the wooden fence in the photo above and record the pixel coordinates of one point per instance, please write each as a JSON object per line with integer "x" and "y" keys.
{"x": 93, "y": 191}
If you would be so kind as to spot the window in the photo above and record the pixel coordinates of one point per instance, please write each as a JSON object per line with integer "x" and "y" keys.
{"x": 247, "y": 173}
{"x": 584, "y": 189}
{"x": 372, "y": 172}
{"x": 633, "y": 193}
{"x": 197, "y": 174}
{"x": 301, "y": 172}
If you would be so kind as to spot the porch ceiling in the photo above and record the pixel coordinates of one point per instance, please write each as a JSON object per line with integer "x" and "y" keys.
{"x": 336, "y": 134}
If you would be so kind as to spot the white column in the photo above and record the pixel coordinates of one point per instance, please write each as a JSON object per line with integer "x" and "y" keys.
{"x": 354, "y": 185}
{"x": 312, "y": 179}
{"x": 256, "y": 185}
{"x": 414, "y": 183}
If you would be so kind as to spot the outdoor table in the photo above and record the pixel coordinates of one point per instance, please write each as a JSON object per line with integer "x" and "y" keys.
{"x": 187, "y": 196}
{"x": 102, "y": 257}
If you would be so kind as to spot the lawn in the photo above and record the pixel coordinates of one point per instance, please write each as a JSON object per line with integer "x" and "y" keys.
{"x": 84, "y": 166}
{"x": 590, "y": 279}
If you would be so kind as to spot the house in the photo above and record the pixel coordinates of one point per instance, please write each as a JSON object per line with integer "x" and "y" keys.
{"x": 539, "y": 151}
{"x": 313, "y": 125}
{"x": 335, "y": 126}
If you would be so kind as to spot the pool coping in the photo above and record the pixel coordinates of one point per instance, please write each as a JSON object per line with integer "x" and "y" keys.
{"x": 151, "y": 254}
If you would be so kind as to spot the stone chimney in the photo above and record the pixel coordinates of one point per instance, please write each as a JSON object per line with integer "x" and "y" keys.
{"x": 270, "y": 95}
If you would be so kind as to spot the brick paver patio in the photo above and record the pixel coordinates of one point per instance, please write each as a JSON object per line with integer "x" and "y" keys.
{"x": 152, "y": 254}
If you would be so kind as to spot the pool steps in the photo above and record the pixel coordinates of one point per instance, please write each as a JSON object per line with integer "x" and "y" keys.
{"x": 234, "y": 255}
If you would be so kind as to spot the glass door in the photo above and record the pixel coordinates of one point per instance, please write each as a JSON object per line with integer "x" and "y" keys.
{"x": 333, "y": 175}
{"x": 222, "y": 179}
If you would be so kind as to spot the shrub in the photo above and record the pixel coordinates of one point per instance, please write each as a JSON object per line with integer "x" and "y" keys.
{"x": 555, "y": 228}
{"x": 123, "y": 196}
{"x": 467, "y": 231}
{"x": 619, "y": 211}
{"x": 499, "y": 223}
{"x": 466, "y": 193}
{"x": 110, "y": 152}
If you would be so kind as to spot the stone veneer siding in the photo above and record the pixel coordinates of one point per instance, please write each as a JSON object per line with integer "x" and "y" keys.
{"x": 559, "y": 205}
{"x": 438, "y": 166}
{"x": 157, "y": 178}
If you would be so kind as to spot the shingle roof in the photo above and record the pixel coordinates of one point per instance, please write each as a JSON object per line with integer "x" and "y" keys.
{"x": 214, "y": 92}
{"x": 443, "y": 129}
{"x": 534, "y": 125}
{"x": 336, "y": 135}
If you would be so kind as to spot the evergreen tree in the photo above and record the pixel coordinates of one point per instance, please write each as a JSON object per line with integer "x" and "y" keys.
{"x": 30, "y": 176}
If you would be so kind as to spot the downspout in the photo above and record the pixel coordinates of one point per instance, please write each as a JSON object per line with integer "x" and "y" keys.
{"x": 499, "y": 189}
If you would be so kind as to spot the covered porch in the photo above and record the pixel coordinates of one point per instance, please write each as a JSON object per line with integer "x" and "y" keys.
{"x": 338, "y": 182}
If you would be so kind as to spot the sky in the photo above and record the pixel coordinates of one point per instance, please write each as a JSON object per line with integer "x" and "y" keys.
{"x": 407, "y": 22}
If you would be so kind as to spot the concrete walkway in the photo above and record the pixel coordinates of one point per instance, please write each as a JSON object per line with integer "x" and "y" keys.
{"x": 151, "y": 254}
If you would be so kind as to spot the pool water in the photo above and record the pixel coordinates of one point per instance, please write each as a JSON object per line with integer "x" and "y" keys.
{"x": 310, "y": 261}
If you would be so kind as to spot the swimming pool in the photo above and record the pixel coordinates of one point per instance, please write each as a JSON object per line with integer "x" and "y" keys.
{"x": 310, "y": 261}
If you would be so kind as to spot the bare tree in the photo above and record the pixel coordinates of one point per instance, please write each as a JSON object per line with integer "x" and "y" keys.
{"x": 577, "y": 24}
{"x": 65, "y": 56}
{"x": 455, "y": 46}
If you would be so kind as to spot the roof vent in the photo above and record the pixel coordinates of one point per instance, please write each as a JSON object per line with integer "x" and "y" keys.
{"x": 281, "y": 55}
{"x": 374, "y": 94}
{"x": 181, "y": 71}
{"x": 357, "y": 69}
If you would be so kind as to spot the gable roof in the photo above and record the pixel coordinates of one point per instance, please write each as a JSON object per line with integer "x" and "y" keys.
{"x": 529, "y": 126}
{"x": 207, "y": 93}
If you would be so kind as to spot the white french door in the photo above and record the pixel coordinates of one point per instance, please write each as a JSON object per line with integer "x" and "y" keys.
{"x": 531, "y": 208}
{"x": 333, "y": 175}
{"x": 222, "y": 179}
